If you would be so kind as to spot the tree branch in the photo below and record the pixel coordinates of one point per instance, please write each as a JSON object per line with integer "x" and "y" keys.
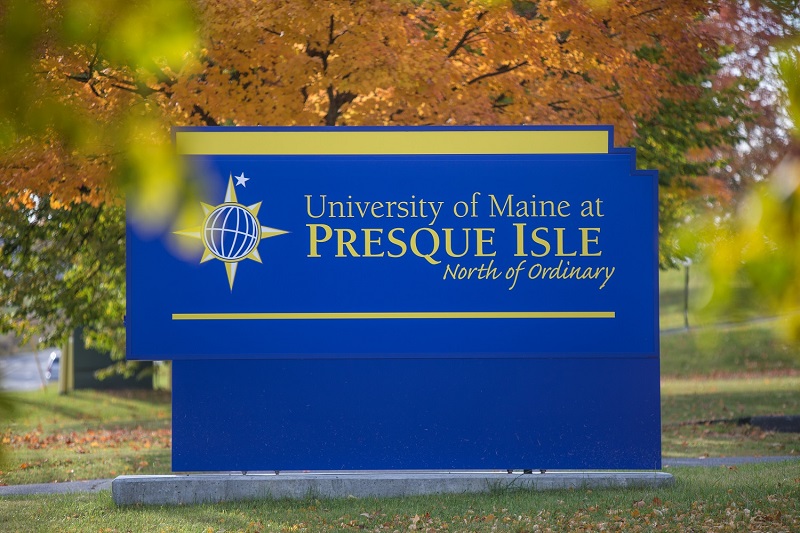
{"x": 335, "y": 102}
{"x": 557, "y": 105}
{"x": 612, "y": 95}
{"x": 331, "y": 37}
{"x": 461, "y": 42}
{"x": 500, "y": 70}
{"x": 204, "y": 115}
{"x": 321, "y": 54}
{"x": 274, "y": 32}
{"x": 646, "y": 12}
{"x": 138, "y": 88}
{"x": 94, "y": 90}
{"x": 86, "y": 75}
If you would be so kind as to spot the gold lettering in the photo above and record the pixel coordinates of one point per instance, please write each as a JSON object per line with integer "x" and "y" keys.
{"x": 342, "y": 243}
{"x": 520, "y": 240}
{"x": 315, "y": 239}
{"x": 585, "y": 240}
{"x": 377, "y": 206}
{"x": 560, "y": 244}
{"x": 480, "y": 241}
{"x": 448, "y": 242}
{"x": 435, "y": 246}
{"x": 539, "y": 240}
{"x": 506, "y": 205}
{"x": 369, "y": 241}
{"x": 308, "y": 206}
{"x": 397, "y": 242}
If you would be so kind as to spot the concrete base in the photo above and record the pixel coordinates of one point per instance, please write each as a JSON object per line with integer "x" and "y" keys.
{"x": 211, "y": 488}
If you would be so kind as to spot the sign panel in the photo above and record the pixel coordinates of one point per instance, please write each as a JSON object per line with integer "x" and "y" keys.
{"x": 384, "y": 298}
{"x": 349, "y": 243}
{"x": 443, "y": 414}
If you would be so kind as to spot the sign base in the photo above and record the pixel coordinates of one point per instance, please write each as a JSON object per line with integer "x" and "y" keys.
{"x": 215, "y": 488}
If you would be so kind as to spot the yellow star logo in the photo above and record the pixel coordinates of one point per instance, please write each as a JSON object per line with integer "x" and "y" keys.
{"x": 231, "y": 232}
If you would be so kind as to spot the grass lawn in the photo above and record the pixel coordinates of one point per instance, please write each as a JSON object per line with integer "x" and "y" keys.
{"x": 746, "y": 498}
{"x": 727, "y": 374}
{"x": 688, "y": 407}
{"x": 746, "y": 349}
{"x": 86, "y": 435}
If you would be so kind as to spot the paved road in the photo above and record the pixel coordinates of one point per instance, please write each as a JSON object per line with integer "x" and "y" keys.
{"x": 668, "y": 462}
{"x": 19, "y": 372}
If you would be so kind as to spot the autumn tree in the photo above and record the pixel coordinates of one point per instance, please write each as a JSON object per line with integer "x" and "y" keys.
{"x": 756, "y": 31}
{"x": 460, "y": 62}
{"x": 99, "y": 85}
{"x": 389, "y": 62}
{"x": 690, "y": 142}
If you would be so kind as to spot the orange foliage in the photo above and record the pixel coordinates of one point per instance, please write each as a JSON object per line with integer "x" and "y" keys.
{"x": 383, "y": 62}
{"x": 395, "y": 63}
{"x": 102, "y": 438}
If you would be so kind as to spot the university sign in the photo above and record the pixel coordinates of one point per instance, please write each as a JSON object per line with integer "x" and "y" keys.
{"x": 352, "y": 298}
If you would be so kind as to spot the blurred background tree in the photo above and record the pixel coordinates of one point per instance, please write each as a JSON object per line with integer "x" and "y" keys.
{"x": 759, "y": 246}
{"x": 93, "y": 88}
{"x": 750, "y": 243}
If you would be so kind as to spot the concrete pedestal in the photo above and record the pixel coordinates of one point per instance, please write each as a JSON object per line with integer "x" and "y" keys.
{"x": 210, "y": 488}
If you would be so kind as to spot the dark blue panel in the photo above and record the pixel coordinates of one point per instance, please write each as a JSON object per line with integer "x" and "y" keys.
{"x": 410, "y": 414}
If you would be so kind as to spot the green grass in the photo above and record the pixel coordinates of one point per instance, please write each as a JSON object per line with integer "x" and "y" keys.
{"x": 747, "y": 498}
{"x": 744, "y": 349}
{"x": 688, "y": 406}
{"x": 85, "y": 435}
{"x": 757, "y": 373}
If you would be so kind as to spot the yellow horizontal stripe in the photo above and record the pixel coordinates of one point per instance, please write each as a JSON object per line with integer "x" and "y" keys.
{"x": 391, "y": 142}
{"x": 384, "y": 316}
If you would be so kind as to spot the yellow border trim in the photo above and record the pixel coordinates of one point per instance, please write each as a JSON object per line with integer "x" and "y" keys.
{"x": 478, "y": 142}
{"x": 390, "y": 316}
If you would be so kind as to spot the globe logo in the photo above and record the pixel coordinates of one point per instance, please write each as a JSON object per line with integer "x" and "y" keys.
{"x": 231, "y": 232}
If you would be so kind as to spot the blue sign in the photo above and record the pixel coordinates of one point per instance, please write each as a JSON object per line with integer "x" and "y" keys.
{"x": 406, "y": 298}
{"x": 400, "y": 255}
